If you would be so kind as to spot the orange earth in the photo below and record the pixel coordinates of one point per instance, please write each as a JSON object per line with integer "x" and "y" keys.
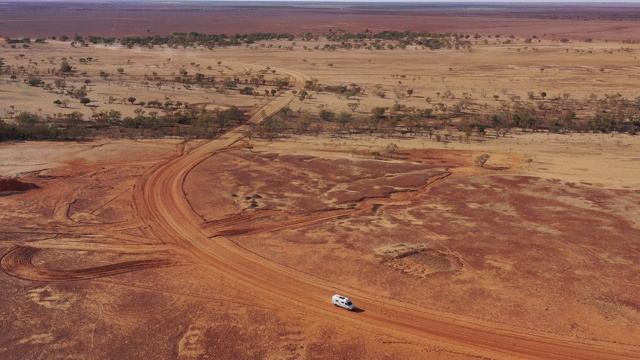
{"x": 232, "y": 248}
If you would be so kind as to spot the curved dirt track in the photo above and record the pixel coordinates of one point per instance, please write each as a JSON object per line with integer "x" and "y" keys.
{"x": 161, "y": 203}
{"x": 19, "y": 263}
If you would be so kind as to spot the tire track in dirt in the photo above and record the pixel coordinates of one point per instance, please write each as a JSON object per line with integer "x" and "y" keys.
{"x": 160, "y": 199}
{"x": 18, "y": 262}
{"x": 236, "y": 225}
{"x": 286, "y": 224}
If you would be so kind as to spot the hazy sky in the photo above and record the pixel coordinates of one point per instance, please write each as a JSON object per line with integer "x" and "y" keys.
{"x": 558, "y": 2}
{"x": 355, "y": 1}
{"x": 423, "y": 1}
{"x": 348, "y": 1}
{"x": 430, "y": 1}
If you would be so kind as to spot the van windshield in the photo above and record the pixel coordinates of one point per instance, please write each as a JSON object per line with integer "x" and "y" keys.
{"x": 349, "y": 303}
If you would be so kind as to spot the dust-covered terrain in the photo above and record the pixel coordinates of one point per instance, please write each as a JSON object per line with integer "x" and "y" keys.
{"x": 476, "y": 201}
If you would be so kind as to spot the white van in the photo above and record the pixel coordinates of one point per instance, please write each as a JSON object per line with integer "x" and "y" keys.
{"x": 339, "y": 300}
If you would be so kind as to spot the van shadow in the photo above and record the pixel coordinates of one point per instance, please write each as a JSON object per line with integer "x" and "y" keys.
{"x": 357, "y": 310}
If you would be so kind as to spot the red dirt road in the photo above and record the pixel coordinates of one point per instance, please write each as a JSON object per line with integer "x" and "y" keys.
{"x": 161, "y": 203}
{"x": 165, "y": 249}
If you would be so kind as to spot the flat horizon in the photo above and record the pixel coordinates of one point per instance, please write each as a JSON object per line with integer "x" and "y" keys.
{"x": 505, "y": 2}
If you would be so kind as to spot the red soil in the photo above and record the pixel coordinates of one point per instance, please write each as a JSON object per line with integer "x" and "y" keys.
{"x": 7, "y": 185}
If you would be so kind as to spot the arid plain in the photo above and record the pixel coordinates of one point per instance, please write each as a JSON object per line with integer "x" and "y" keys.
{"x": 134, "y": 245}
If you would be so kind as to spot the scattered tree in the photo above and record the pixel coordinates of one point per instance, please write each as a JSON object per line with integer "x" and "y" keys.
{"x": 65, "y": 68}
{"x": 482, "y": 160}
{"x": 390, "y": 149}
{"x": 343, "y": 118}
{"x": 327, "y": 115}
{"x": 353, "y": 106}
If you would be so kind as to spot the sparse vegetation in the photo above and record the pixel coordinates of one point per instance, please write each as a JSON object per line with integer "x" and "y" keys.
{"x": 357, "y": 141}
{"x": 445, "y": 110}
{"x": 482, "y": 160}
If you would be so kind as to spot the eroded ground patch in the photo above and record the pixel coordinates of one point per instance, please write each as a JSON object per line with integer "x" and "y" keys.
{"x": 549, "y": 255}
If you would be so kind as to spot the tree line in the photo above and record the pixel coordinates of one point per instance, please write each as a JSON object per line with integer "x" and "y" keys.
{"x": 611, "y": 113}
{"x": 339, "y": 39}
{"x": 190, "y": 122}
